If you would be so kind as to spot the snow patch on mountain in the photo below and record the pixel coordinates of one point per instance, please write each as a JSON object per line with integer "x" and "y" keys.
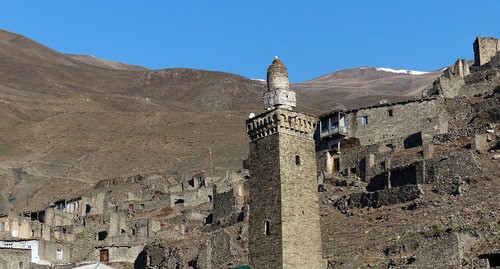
{"x": 401, "y": 71}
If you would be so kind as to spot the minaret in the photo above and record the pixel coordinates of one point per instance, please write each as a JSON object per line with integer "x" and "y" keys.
{"x": 278, "y": 93}
{"x": 284, "y": 230}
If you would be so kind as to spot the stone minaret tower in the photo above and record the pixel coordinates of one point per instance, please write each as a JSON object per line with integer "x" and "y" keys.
{"x": 284, "y": 210}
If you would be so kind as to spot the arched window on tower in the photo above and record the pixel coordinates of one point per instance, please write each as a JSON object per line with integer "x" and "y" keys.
{"x": 297, "y": 159}
{"x": 267, "y": 228}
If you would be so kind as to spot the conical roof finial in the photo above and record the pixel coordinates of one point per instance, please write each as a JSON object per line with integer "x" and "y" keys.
{"x": 278, "y": 93}
{"x": 277, "y": 76}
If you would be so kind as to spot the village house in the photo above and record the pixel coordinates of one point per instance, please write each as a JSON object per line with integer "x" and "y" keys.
{"x": 114, "y": 227}
{"x": 391, "y": 125}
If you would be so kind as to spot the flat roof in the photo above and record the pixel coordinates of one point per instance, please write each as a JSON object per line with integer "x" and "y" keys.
{"x": 379, "y": 105}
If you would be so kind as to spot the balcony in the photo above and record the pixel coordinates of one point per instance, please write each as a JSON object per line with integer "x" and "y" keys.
{"x": 335, "y": 131}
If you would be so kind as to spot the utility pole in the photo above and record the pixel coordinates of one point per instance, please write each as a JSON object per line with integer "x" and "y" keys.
{"x": 211, "y": 166}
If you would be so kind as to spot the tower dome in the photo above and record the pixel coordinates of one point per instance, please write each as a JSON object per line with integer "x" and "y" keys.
{"x": 277, "y": 76}
{"x": 278, "y": 93}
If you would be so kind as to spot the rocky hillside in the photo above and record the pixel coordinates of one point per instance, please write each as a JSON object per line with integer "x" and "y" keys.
{"x": 453, "y": 221}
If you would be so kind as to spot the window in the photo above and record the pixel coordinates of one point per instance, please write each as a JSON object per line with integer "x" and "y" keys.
{"x": 266, "y": 228}
{"x": 297, "y": 159}
{"x": 102, "y": 235}
{"x": 329, "y": 124}
{"x": 2, "y": 227}
{"x": 59, "y": 254}
{"x": 191, "y": 182}
{"x": 390, "y": 112}
{"x": 325, "y": 124}
{"x": 364, "y": 120}
{"x": 334, "y": 125}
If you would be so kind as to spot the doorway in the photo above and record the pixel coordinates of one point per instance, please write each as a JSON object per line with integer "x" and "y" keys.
{"x": 104, "y": 255}
{"x": 336, "y": 164}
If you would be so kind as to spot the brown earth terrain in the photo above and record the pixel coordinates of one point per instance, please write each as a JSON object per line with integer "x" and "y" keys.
{"x": 364, "y": 86}
{"x": 76, "y": 119}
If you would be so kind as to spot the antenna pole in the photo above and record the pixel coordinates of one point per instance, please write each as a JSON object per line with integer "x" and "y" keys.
{"x": 211, "y": 166}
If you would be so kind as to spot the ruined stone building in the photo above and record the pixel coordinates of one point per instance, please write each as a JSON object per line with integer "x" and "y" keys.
{"x": 397, "y": 152}
{"x": 118, "y": 219}
{"x": 485, "y": 48}
{"x": 383, "y": 122}
{"x": 405, "y": 124}
{"x": 84, "y": 228}
{"x": 284, "y": 227}
{"x": 353, "y": 141}
{"x": 390, "y": 148}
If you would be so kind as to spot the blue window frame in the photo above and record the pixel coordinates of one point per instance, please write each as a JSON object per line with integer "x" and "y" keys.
{"x": 364, "y": 120}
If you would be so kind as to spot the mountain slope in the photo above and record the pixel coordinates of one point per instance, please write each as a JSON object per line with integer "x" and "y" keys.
{"x": 64, "y": 120}
{"x": 357, "y": 87}
{"x": 91, "y": 60}
{"x": 74, "y": 120}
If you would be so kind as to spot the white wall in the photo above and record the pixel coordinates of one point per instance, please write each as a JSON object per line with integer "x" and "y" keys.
{"x": 31, "y": 244}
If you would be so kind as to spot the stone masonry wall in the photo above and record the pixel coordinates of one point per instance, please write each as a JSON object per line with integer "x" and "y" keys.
{"x": 15, "y": 258}
{"x": 379, "y": 198}
{"x": 125, "y": 253}
{"x": 408, "y": 175}
{"x": 444, "y": 251}
{"x": 224, "y": 205}
{"x": 300, "y": 208}
{"x": 448, "y": 87}
{"x": 350, "y": 159}
{"x": 4, "y": 206}
{"x": 49, "y": 251}
{"x": 265, "y": 190}
{"x": 284, "y": 227}
{"x": 221, "y": 248}
{"x": 424, "y": 116}
{"x": 485, "y": 48}
{"x": 411, "y": 174}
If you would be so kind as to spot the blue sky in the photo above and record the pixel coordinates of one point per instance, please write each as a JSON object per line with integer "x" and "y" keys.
{"x": 313, "y": 38}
